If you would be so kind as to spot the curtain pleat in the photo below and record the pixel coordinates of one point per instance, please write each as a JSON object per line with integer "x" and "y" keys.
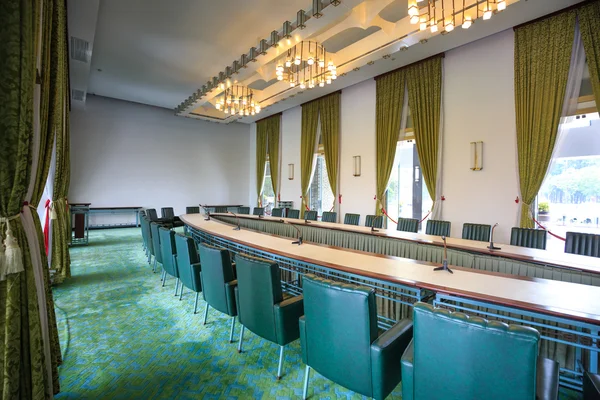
{"x": 308, "y": 140}
{"x": 329, "y": 107}
{"x": 273, "y": 133}
{"x": 262, "y": 132}
{"x": 589, "y": 26}
{"x": 542, "y": 60}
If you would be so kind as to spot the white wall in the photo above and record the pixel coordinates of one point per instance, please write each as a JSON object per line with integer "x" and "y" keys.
{"x": 291, "y": 125}
{"x": 128, "y": 154}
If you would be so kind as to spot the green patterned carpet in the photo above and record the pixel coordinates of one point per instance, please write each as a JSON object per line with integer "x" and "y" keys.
{"x": 123, "y": 336}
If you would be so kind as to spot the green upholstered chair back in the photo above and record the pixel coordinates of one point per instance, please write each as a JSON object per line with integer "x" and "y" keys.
{"x": 310, "y": 215}
{"x": 340, "y": 325}
{"x": 244, "y": 210}
{"x": 149, "y": 242}
{"x": 192, "y": 210}
{"x": 438, "y": 228}
{"x": 143, "y": 223}
{"x": 216, "y": 272}
{"x": 277, "y": 212}
{"x": 292, "y": 213}
{"x": 375, "y": 221}
{"x": 156, "y": 242}
{"x": 167, "y": 213}
{"x": 258, "y": 211}
{"x": 329, "y": 216}
{"x": 532, "y": 238}
{"x": 585, "y": 244}
{"x": 352, "y": 219}
{"x": 188, "y": 262}
{"x": 465, "y": 357}
{"x": 221, "y": 210}
{"x": 259, "y": 289}
{"x": 151, "y": 213}
{"x": 479, "y": 232}
{"x": 167, "y": 250}
{"x": 408, "y": 225}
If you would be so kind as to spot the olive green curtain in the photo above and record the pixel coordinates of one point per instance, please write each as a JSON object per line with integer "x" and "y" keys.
{"x": 424, "y": 82}
{"x": 308, "y": 140}
{"x": 389, "y": 99}
{"x": 329, "y": 108}
{"x": 59, "y": 121}
{"x": 273, "y": 131}
{"x": 542, "y": 60}
{"x": 261, "y": 157}
{"x": 22, "y": 361}
{"x": 589, "y": 26}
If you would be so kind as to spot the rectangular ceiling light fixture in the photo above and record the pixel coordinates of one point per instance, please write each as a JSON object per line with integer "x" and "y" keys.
{"x": 317, "y": 9}
{"x": 301, "y": 19}
{"x": 263, "y": 46}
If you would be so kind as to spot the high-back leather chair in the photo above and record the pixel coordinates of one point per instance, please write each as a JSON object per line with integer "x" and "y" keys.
{"x": 591, "y": 386}
{"x": 340, "y": 339}
{"x": 351, "y": 219}
{"x": 455, "y": 356}
{"x": 218, "y": 282}
{"x": 258, "y": 211}
{"x": 532, "y": 238}
{"x": 188, "y": 265}
{"x": 149, "y": 243}
{"x": 151, "y": 214}
{"x": 221, "y": 210}
{"x": 310, "y": 215}
{"x": 192, "y": 210}
{"x": 408, "y": 225}
{"x": 168, "y": 252}
{"x": 292, "y": 213}
{"x": 277, "y": 212}
{"x": 329, "y": 216}
{"x": 585, "y": 244}
{"x": 374, "y": 221}
{"x": 438, "y": 228}
{"x": 480, "y": 232}
{"x": 262, "y": 306}
{"x": 168, "y": 215}
{"x": 244, "y": 210}
{"x": 156, "y": 247}
{"x": 143, "y": 221}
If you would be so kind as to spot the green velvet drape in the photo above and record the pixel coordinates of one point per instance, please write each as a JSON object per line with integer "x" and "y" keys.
{"x": 424, "y": 82}
{"x": 308, "y": 140}
{"x": 262, "y": 131}
{"x": 389, "y": 99}
{"x": 329, "y": 107}
{"x": 542, "y": 59}
{"x": 589, "y": 26}
{"x": 273, "y": 133}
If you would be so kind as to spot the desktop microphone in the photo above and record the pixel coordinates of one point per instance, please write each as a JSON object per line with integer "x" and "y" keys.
{"x": 299, "y": 241}
{"x": 260, "y": 216}
{"x": 237, "y": 220}
{"x": 491, "y": 246}
{"x": 206, "y": 212}
{"x": 444, "y": 266}
{"x": 373, "y": 225}
{"x": 306, "y": 221}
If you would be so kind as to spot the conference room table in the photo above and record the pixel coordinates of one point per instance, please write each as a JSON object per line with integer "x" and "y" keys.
{"x": 566, "y": 314}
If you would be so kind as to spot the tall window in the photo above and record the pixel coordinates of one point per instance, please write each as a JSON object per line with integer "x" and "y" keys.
{"x": 569, "y": 199}
{"x": 268, "y": 195}
{"x": 321, "y": 197}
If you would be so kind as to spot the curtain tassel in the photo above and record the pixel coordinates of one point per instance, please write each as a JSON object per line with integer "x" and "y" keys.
{"x": 2, "y": 263}
{"x": 52, "y": 211}
{"x": 11, "y": 257}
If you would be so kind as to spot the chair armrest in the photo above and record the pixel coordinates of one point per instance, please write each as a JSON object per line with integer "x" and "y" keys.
{"x": 303, "y": 343}
{"x": 287, "y": 314}
{"x": 196, "y": 276}
{"x": 407, "y": 362}
{"x": 386, "y": 350}
{"x": 230, "y": 297}
{"x": 591, "y": 386}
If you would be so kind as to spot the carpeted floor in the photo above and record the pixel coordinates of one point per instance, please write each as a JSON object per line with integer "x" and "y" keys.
{"x": 123, "y": 336}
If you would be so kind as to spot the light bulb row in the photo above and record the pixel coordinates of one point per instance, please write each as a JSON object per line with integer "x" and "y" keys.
{"x": 238, "y": 100}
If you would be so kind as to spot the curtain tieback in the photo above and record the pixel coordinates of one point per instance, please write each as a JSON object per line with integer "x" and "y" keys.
{"x": 11, "y": 257}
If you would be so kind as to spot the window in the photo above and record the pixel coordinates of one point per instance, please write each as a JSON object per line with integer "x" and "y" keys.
{"x": 268, "y": 195}
{"x": 320, "y": 195}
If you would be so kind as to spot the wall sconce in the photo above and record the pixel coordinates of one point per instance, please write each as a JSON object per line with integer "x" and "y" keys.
{"x": 476, "y": 156}
{"x": 291, "y": 172}
{"x": 356, "y": 165}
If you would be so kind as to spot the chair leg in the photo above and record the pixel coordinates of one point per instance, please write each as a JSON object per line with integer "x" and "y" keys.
{"x": 205, "y": 313}
{"x": 176, "y": 286}
{"x": 232, "y": 327}
{"x": 241, "y": 339}
{"x": 154, "y": 267}
{"x": 164, "y": 278}
{"x": 280, "y": 367}
{"x": 196, "y": 302}
{"x": 181, "y": 294}
{"x": 306, "y": 374}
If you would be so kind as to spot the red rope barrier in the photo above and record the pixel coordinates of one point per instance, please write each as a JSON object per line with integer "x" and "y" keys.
{"x": 386, "y": 214}
{"x": 425, "y": 217}
{"x": 550, "y": 233}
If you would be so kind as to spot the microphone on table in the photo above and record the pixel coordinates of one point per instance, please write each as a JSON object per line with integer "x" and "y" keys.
{"x": 373, "y": 225}
{"x": 260, "y": 216}
{"x": 306, "y": 221}
{"x": 444, "y": 266}
{"x": 299, "y": 241}
{"x": 491, "y": 246}
{"x": 237, "y": 220}
{"x": 206, "y": 212}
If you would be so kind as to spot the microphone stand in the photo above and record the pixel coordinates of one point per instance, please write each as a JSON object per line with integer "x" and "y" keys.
{"x": 237, "y": 228}
{"x": 299, "y": 241}
{"x": 206, "y": 212}
{"x": 491, "y": 246}
{"x": 444, "y": 266}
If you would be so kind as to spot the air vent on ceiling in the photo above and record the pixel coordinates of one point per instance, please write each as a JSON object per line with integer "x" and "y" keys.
{"x": 77, "y": 95}
{"x": 80, "y": 49}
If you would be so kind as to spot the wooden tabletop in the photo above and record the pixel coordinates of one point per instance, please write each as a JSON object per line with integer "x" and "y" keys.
{"x": 537, "y": 256}
{"x": 569, "y": 300}
{"x": 116, "y": 208}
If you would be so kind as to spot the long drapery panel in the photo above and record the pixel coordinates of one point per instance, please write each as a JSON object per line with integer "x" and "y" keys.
{"x": 261, "y": 157}
{"x": 308, "y": 140}
{"x": 329, "y": 108}
{"x": 589, "y": 26}
{"x": 273, "y": 139}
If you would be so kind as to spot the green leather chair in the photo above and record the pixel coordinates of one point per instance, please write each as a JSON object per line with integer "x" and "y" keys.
{"x": 168, "y": 215}
{"x": 156, "y": 247}
{"x": 168, "y": 252}
{"x": 258, "y": 211}
{"x": 293, "y": 213}
{"x": 352, "y": 219}
{"x": 192, "y": 210}
{"x": 262, "y": 306}
{"x": 310, "y": 215}
{"x": 454, "y": 356}
{"x": 532, "y": 238}
{"x": 218, "y": 282}
{"x": 329, "y": 216}
{"x": 591, "y": 386}
{"x": 340, "y": 339}
{"x": 408, "y": 225}
{"x": 145, "y": 237}
{"x": 221, "y": 210}
{"x": 244, "y": 210}
{"x": 153, "y": 217}
{"x": 438, "y": 228}
{"x": 277, "y": 212}
{"x": 584, "y": 244}
{"x": 480, "y": 232}
{"x": 375, "y": 221}
{"x": 188, "y": 265}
